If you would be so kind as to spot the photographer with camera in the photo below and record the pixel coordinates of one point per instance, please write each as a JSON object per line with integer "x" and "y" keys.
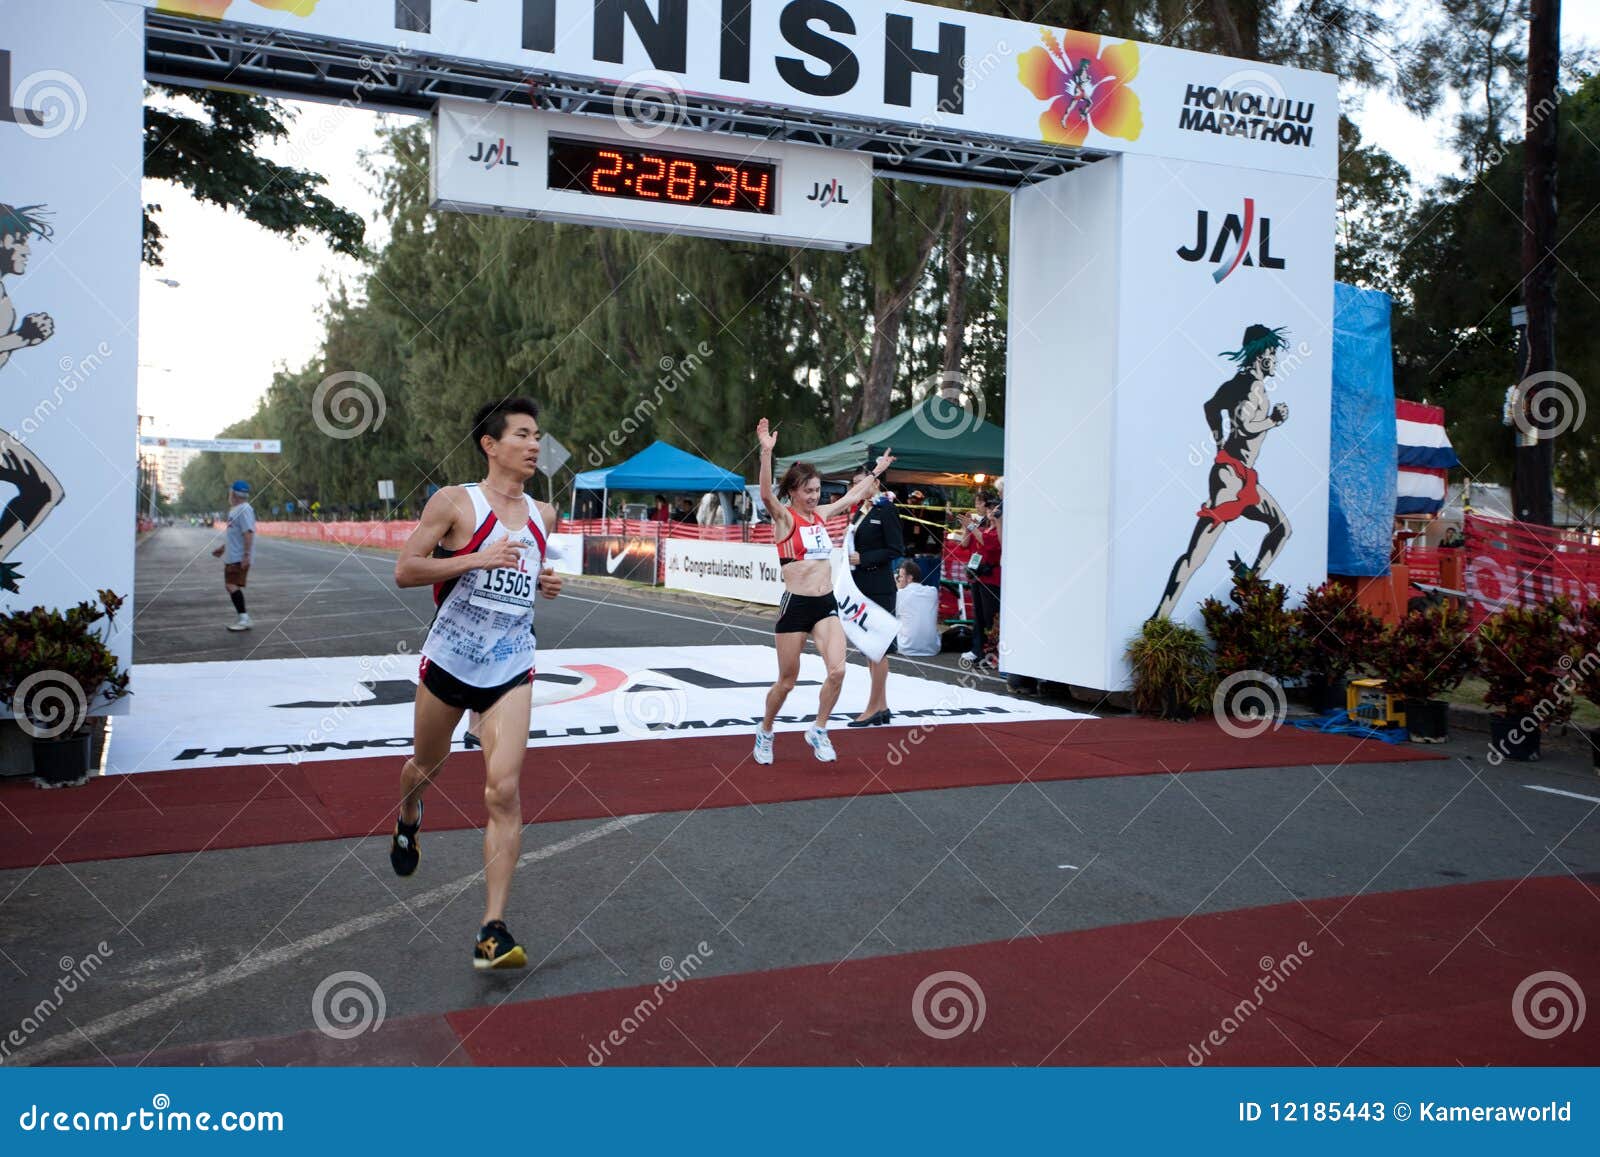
{"x": 980, "y": 533}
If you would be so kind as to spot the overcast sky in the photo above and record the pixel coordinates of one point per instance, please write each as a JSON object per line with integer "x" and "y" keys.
{"x": 248, "y": 302}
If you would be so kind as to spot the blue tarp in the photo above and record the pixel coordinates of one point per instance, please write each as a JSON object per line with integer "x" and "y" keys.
{"x": 1362, "y": 473}
{"x": 664, "y": 469}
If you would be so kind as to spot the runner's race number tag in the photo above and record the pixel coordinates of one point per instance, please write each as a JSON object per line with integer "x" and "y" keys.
{"x": 508, "y": 590}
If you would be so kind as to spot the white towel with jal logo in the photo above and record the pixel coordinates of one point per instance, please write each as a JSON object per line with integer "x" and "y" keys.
{"x": 868, "y": 626}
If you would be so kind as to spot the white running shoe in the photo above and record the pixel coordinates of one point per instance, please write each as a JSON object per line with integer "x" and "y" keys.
{"x": 821, "y": 745}
{"x": 242, "y": 625}
{"x": 763, "y": 751}
{"x": 970, "y": 657}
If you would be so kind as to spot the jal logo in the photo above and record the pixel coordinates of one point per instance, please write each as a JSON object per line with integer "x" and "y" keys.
{"x": 1232, "y": 246}
{"x": 852, "y": 611}
{"x": 8, "y": 111}
{"x": 492, "y": 153}
{"x": 830, "y": 194}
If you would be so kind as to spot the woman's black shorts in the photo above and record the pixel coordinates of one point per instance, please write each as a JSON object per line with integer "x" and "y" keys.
{"x": 797, "y": 614}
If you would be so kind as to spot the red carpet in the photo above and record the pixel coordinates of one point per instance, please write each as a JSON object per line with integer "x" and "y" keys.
{"x": 1398, "y": 978}
{"x": 1085, "y": 998}
{"x": 187, "y": 811}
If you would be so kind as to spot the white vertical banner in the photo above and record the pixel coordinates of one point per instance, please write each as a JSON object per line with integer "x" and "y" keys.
{"x": 71, "y": 134}
{"x": 1168, "y": 401}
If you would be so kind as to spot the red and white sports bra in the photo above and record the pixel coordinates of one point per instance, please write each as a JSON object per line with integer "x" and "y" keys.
{"x": 807, "y": 540}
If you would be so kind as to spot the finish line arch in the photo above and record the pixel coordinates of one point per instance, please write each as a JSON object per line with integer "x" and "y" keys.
{"x": 1172, "y": 241}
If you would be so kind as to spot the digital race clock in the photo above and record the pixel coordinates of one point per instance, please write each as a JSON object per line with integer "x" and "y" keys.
{"x": 596, "y": 170}
{"x": 663, "y": 175}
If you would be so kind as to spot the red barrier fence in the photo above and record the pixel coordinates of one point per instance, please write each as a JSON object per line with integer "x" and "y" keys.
{"x": 1515, "y": 563}
{"x": 381, "y": 535}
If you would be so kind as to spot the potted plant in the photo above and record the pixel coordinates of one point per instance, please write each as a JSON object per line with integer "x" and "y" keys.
{"x": 1422, "y": 656}
{"x": 53, "y": 666}
{"x": 1337, "y": 635}
{"x": 1583, "y": 635}
{"x": 1255, "y": 632}
{"x": 1171, "y": 670}
{"x": 1522, "y": 652}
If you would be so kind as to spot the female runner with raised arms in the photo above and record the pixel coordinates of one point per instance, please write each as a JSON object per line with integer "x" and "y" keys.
{"x": 808, "y": 608}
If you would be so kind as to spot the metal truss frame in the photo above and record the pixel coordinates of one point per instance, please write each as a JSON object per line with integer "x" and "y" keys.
{"x": 281, "y": 62}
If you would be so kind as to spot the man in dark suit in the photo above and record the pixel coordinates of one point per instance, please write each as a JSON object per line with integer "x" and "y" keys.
{"x": 879, "y": 545}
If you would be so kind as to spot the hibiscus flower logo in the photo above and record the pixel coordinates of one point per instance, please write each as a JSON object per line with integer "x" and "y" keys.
{"x": 1085, "y": 87}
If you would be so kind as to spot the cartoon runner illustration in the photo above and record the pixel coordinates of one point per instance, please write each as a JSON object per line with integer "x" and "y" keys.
{"x": 1233, "y": 486}
{"x": 17, "y": 226}
{"x": 36, "y": 490}
{"x": 1080, "y": 88}
{"x": 37, "y": 494}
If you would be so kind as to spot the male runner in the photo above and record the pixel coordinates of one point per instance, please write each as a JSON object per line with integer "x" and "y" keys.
{"x": 1233, "y": 485}
{"x": 481, "y": 546}
{"x": 238, "y": 549}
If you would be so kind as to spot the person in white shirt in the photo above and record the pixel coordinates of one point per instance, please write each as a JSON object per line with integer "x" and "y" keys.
{"x": 917, "y": 608}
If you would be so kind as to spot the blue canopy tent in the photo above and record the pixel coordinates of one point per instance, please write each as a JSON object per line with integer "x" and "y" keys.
{"x": 665, "y": 469}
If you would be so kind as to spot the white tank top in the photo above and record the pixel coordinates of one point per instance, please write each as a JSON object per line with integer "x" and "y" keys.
{"x": 482, "y": 631}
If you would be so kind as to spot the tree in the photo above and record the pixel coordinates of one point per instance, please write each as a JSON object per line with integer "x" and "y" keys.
{"x": 1461, "y": 267}
{"x": 1374, "y": 208}
{"x": 216, "y": 157}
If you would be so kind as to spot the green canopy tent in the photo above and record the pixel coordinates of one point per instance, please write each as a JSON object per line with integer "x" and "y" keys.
{"x": 936, "y": 442}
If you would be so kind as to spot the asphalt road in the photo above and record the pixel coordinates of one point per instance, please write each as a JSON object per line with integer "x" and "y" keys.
{"x": 225, "y": 945}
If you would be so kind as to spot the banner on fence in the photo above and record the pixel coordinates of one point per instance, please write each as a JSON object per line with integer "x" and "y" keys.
{"x": 735, "y": 570}
{"x": 620, "y": 556}
{"x": 1516, "y": 564}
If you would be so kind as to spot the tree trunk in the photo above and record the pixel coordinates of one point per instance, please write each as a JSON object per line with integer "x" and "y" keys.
{"x": 1227, "y": 28}
{"x": 955, "y": 319}
{"x": 1533, "y": 491}
{"x": 889, "y": 306}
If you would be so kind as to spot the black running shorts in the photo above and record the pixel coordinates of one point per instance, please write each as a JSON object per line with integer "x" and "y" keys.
{"x": 454, "y": 693}
{"x": 797, "y": 614}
